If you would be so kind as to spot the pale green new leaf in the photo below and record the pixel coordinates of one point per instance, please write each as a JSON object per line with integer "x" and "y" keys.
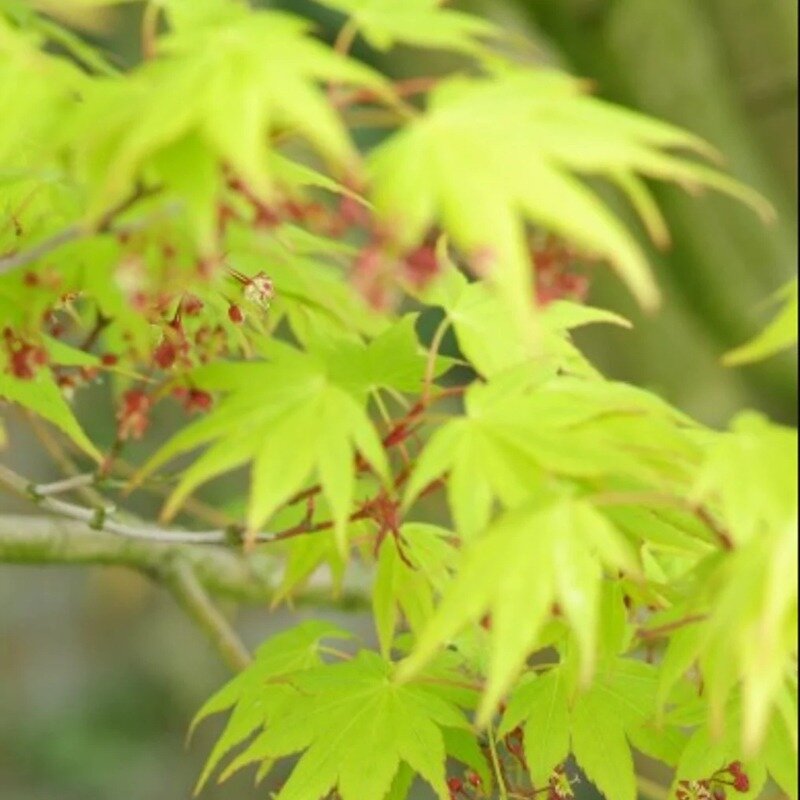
{"x": 410, "y": 570}
{"x": 751, "y": 472}
{"x": 263, "y": 689}
{"x": 528, "y": 136}
{"x": 355, "y": 726}
{"x": 262, "y": 69}
{"x": 545, "y": 553}
{"x": 423, "y": 23}
{"x": 598, "y": 725}
{"x": 290, "y": 419}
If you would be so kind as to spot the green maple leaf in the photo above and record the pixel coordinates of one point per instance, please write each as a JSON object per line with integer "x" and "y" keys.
{"x": 750, "y": 474}
{"x": 544, "y": 553}
{"x": 423, "y": 23}
{"x": 529, "y": 136}
{"x": 262, "y": 690}
{"x": 262, "y": 69}
{"x": 355, "y": 727}
{"x": 290, "y": 419}
{"x": 598, "y": 726}
{"x": 526, "y": 425}
{"x": 409, "y": 571}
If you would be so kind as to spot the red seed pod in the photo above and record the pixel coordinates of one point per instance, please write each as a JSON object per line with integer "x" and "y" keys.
{"x": 165, "y": 354}
{"x": 474, "y": 779}
{"x": 741, "y": 782}
{"x": 735, "y": 767}
{"x": 351, "y": 212}
{"x": 455, "y": 784}
{"x": 24, "y": 359}
{"x": 235, "y": 314}
{"x": 133, "y": 415}
{"x": 719, "y": 793}
{"x": 191, "y": 305}
{"x": 198, "y": 401}
{"x": 421, "y": 265}
{"x": 266, "y": 217}
{"x": 109, "y": 359}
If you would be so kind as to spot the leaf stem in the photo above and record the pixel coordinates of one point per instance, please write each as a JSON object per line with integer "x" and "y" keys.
{"x": 433, "y": 352}
{"x": 663, "y": 630}
{"x": 498, "y": 767}
{"x": 13, "y": 261}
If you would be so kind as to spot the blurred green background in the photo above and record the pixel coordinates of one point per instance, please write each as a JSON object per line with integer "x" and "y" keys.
{"x": 100, "y": 672}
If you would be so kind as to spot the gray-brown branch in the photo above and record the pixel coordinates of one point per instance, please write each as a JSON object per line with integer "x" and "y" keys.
{"x": 223, "y": 572}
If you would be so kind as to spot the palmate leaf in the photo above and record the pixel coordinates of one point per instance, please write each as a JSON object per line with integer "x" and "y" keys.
{"x": 750, "y": 638}
{"x": 259, "y": 691}
{"x": 356, "y": 727}
{"x": 409, "y": 573}
{"x": 706, "y": 752}
{"x": 262, "y": 69}
{"x": 598, "y": 726}
{"x": 528, "y": 137}
{"x": 750, "y": 475}
{"x": 524, "y": 427}
{"x": 547, "y": 552}
{"x": 424, "y": 23}
{"x": 293, "y": 415}
{"x": 290, "y": 419}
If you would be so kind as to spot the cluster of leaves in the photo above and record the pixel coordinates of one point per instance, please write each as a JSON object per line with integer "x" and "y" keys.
{"x": 608, "y": 576}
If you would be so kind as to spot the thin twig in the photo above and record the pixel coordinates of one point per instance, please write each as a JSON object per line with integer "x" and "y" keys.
{"x": 498, "y": 767}
{"x": 60, "y": 456}
{"x": 222, "y": 571}
{"x": 99, "y": 518}
{"x": 64, "y": 485}
{"x": 433, "y": 352}
{"x": 669, "y": 627}
{"x": 194, "y": 599}
{"x": 22, "y": 258}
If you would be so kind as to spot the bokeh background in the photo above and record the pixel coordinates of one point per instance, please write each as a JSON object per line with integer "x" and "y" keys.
{"x": 100, "y": 672}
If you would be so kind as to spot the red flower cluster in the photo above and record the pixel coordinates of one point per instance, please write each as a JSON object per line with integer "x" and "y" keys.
{"x": 23, "y": 358}
{"x": 133, "y": 415}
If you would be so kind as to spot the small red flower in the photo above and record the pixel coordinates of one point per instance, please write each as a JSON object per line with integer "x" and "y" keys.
{"x": 421, "y": 265}
{"x": 133, "y": 415}
{"x": 165, "y": 354}
{"x": 741, "y": 782}
{"x": 191, "y": 305}
{"x": 235, "y": 314}
{"x": 197, "y": 401}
